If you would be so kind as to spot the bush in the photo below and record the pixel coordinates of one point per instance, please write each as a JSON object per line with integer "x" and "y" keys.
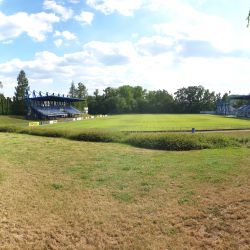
{"x": 160, "y": 141}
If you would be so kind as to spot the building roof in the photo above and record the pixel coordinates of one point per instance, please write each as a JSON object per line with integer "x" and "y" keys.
{"x": 50, "y": 97}
{"x": 241, "y": 97}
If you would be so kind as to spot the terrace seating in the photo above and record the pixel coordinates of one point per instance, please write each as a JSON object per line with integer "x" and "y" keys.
{"x": 72, "y": 111}
{"x": 42, "y": 111}
{"x": 243, "y": 111}
{"x": 56, "y": 110}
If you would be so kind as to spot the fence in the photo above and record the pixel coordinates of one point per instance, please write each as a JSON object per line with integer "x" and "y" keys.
{"x": 207, "y": 112}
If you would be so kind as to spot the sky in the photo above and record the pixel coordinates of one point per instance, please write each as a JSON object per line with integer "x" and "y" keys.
{"x": 156, "y": 44}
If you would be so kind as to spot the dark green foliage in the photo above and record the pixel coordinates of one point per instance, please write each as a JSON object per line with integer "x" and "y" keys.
{"x": 80, "y": 92}
{"x": 6, "y": 105}
{"x": 22, "y": 85}
{"x": 127, "y": 99}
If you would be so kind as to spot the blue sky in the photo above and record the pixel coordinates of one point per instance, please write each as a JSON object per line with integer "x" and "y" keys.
{"x": 156, "y": 44}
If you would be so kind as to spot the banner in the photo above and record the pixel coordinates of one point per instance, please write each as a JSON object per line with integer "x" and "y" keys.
{"x": 33, "y": 124}
{"x": 55, "y": 121}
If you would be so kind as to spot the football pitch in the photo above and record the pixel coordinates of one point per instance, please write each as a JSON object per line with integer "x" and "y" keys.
{"x": 159, "y": 122}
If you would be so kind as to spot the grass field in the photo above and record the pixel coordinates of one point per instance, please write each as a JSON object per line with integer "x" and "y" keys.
{"x": 12, "y": 119}
{"x": 62, "y": 194}
{"x": 158, "y": 122}
{"x": 146, "y": 122}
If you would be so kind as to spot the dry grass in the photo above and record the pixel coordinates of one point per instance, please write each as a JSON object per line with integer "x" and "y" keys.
{"x": 61, "y": 194}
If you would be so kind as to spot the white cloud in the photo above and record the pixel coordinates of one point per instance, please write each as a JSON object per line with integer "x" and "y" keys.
{"x": 57, "y": 33}
{"x": 155, "y": 45}
{"x": 78, "y": 43}
{"x": 1, "y": 1}
{"x": 67, "y": 44}
{"x": 201, "y": 1}
{"x": 189, "y": 24}
{"x": 111, "y": 53}
{"x": 58, "y": 42}
{"x": 85, "y": 17}
{"x": 134, "y": 35}
{"x": 64, "y": 12}
{"x": 124, "y": 7}
{"x": 36, "y": 25}
{"x": 73, "y": 1}
{"x": 8, "y": 42}
{"x": 100, "y": 65}
{"x": 66, "y": 34}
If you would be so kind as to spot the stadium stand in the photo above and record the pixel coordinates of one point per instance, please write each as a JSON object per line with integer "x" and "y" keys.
{"x": 50, "y": 106}
{"x": 244, "y": 110}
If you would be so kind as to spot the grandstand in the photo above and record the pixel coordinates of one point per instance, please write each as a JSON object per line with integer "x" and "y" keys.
{"x": 225, "y": 108}
{"x": 50, "y": 106}
{"x": 243, "y": 111}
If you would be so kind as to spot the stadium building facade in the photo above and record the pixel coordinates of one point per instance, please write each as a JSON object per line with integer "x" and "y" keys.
{"x": 243, "y": 111}
{"x": 50, "y": 106}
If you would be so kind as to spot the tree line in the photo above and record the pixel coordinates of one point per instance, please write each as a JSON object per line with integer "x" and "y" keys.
{"x": 124, "y": 99}
{"x": 127, "y": 99}
{"x": 15, "y": 106}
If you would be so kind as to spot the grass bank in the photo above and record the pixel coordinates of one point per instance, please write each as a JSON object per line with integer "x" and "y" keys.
{"x": 159, "y": 141}
{"x": 63, "y": 194}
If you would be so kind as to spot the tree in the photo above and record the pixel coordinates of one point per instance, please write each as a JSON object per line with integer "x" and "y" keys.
{"x": 82, "y": 92}
{"x": 96, "y": 92}
{"x": 225, "y": 97}
{"x": 22, "y": 85}
{"x": 248, "y": 19}
{"x": 72, "y": 90}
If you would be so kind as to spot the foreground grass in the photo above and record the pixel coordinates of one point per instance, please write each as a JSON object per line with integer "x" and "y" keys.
{"x": 62, "y": 194}
{"x": 158, "y": 122}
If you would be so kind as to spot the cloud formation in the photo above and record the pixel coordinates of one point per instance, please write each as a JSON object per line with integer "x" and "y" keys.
{"x": 155, "y": 45}
{"x": 8, "y": 42}
{"x": 110, "y": 54}
{"x": 124, "y": 7}
{"x": 100, "y": 65}
{"x": 58, "y": 42}
{"x": 36, "y": 25}
{"x": 85, "y": 17}
{"x": 73, "y": 1}
{"x": 66, "y": 34}
{"x": 52, "y": 5}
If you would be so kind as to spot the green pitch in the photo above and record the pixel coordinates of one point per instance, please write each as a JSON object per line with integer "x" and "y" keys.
{"x": 12, "y": 119}
{"x": 158, "y": 122}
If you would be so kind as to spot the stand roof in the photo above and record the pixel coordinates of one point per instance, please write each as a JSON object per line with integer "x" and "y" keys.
{"x": 50, "y": 97}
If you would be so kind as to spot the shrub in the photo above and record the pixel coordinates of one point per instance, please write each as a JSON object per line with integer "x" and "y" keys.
{"x": 160, "y": 141}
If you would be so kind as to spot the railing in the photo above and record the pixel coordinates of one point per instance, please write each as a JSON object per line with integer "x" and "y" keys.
{"x": 207, "y": 112}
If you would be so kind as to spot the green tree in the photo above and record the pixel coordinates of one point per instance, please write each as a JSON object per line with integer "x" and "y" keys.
{"x": 20, "y": 92}
{"x": 248, "y": 19}
{"x": 82, "y": 92}
{"x": 72, "y": 90}
{"x": 96, "y": 93}
{"x": 225, "y": 97}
